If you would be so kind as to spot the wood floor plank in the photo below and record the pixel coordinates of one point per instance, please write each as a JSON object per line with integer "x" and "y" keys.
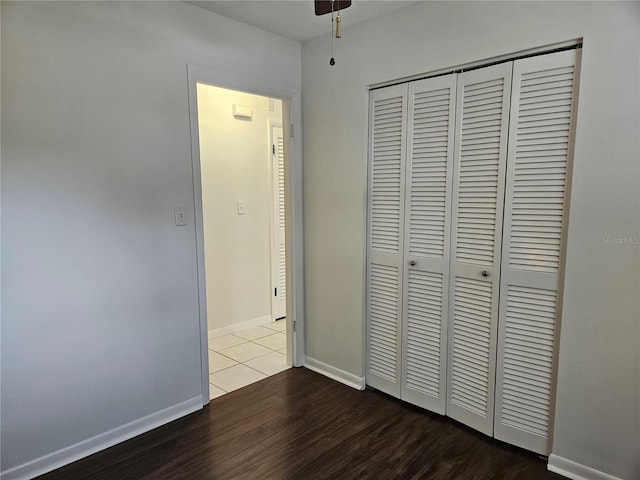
{"x": 300, "y": 425}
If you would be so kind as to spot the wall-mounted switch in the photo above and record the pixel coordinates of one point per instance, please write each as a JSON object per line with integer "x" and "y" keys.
{"x": 181, "y": 215}
{"x": 240, "y": 207}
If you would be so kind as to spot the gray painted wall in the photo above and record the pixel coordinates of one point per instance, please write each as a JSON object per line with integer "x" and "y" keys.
{"x": 598, "y": 391}
{"x": 99, "y": 308}
{"x": 99, "y": 300}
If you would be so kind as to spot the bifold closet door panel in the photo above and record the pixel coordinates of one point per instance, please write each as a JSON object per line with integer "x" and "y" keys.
{"x": 542, "y": 112}
{"x": 482, "y": 117}
{"x": 387, "y": 150}
{"x": 429, "y": 171}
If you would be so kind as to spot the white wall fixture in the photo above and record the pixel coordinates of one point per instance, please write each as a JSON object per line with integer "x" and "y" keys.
{"x": 180, "y": 213}
{"x": 242, "y": 111}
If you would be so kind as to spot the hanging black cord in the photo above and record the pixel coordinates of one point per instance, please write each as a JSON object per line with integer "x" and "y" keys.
{"x": 332, "y": 62}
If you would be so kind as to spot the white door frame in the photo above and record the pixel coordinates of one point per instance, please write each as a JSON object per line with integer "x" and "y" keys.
{"x": 292, "y": 111}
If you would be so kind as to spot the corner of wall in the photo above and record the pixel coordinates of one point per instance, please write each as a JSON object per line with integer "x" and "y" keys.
{"x": 335, "y": 373}
{"x": 576, "y": 471}
{"x": 84, "y": 448}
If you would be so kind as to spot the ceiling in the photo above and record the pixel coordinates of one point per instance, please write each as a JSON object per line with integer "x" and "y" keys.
{"x": 295, "y": 19}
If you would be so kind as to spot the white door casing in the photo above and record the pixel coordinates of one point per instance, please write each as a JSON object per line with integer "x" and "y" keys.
{"x": 387, "y": 150}
{"x": 278, "y": 260}
{"x": 429, "y": 170}
{"x": 541, "y": 129}
{"x": 482, "y": 116}
{"x": 292, "y": 116}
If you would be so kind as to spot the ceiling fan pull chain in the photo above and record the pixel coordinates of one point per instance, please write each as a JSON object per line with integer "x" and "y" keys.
{"x": 332, "y": 62}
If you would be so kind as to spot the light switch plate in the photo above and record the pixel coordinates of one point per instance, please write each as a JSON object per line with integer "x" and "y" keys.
{"x": 181, "y": 215}
{"x": 240, "y": 207}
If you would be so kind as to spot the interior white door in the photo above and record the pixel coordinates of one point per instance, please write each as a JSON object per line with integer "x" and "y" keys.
{"x": 387, "y": 150}
{"x": 429, "y": 171}
{"x": 278, "y": 263}
{"x": 482, "y": 117}
{"x": 542, "y": 112}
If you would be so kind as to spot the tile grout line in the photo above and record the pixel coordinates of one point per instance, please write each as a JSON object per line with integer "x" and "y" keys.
{"x": 248, "y": 341}
{"x": 245, "y": 341}
{"x": 243, "y": 363}
{"x": 261, "y": 373}
{"x": 248, "y": 366}
{"x": 218, "y": 387}
{"x": 237, "y": 361}
{"x": 225, "y": 356}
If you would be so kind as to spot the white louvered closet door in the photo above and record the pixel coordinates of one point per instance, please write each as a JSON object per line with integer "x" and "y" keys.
{"x": 387, "y": 133}
{"x": 429, "y": 171}
{"x": 542, "y": 109}
{"x": 482, "y": 116}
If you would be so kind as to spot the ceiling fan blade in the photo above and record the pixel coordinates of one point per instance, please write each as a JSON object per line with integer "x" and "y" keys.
{"x": 324, "y": 6}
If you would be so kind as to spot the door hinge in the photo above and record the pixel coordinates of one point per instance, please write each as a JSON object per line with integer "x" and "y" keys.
{"x": 290, "y": 131}
{"x": 273, "y": 149}
{"x": 275, "y": 292}
{"x": 294, "y": 325}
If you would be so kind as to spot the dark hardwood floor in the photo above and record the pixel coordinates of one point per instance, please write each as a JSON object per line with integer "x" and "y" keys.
{"x": 300, "y": 425}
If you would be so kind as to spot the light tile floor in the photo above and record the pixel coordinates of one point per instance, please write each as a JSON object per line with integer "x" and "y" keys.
{"x": 244, "y": 357}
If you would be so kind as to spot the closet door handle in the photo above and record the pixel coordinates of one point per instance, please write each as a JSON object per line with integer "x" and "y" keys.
{"x": 485, "y": 273}
{"x": 413, "y": 263}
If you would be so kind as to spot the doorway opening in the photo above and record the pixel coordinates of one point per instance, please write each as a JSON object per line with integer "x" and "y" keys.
{"x": 242, "y": 174}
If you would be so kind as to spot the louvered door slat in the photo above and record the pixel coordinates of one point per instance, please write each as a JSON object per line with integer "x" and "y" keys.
{"x": 279, "y": 284}
{"x": 383, "y": 317}
{"x": 387, "y": 169}
{"x": 543, "y": 106}
{"x": 387, "y": 150}
{"x": 424, "y": 344}
{"x": 282, "y": 289}
{"x": 480, "y": 160}
{"x": 431, "y": 119}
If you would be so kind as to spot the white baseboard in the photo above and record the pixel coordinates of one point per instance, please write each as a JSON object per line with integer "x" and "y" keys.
{"x": 82, "y": 449}
{"x": 334, "y": 373}
{"x": 236, "y": 327}
{"x": 576, "y": 471}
